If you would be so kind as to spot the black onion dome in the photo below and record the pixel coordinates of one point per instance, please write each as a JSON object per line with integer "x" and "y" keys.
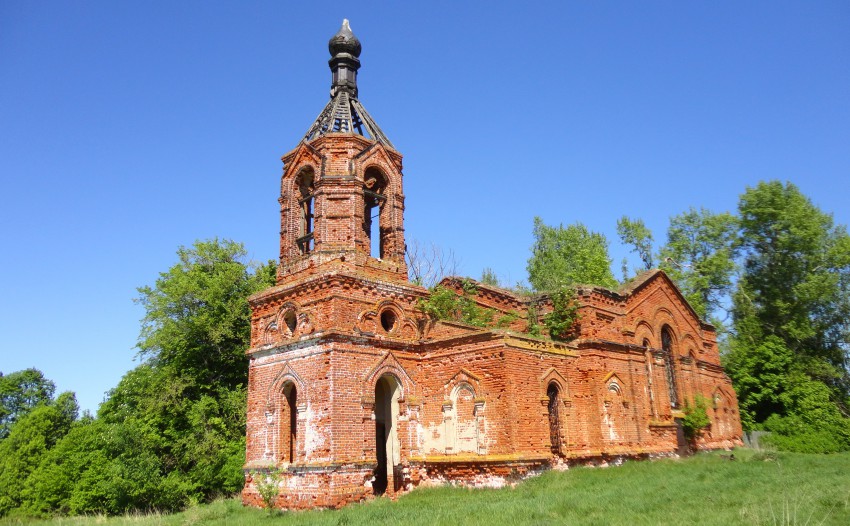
{"x": 344, "y": 42}
{"x": 344, "y": 113}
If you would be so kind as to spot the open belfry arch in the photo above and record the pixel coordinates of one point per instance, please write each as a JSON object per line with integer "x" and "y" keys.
{"x": 353, "y": 392}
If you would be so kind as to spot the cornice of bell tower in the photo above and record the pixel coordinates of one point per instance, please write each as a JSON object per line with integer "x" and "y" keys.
{"x": 341, "y": 197}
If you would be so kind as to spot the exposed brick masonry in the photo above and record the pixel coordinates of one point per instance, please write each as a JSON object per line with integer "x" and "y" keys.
{"x": 353, "y": 392}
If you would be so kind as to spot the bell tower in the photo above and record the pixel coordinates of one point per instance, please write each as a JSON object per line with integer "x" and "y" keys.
{"x": 341, "y": 198}
{"x": 355, "y": 390}
{"x": 324, "y": 383}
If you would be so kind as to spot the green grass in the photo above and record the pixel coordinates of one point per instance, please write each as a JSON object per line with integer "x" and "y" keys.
{"x": 756, "y": 488}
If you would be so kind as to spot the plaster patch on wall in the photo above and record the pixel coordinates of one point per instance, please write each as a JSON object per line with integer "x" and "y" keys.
{"x": 314, "y": 437}
{"x": 608, "y": 421}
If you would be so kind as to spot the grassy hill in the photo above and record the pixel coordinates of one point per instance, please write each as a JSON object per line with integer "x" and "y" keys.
{"x": 755, "y": 488}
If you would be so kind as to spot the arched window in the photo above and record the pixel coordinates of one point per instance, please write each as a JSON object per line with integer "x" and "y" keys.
{"x": 554, "y": 395}
{"x": 389, "y": 320}
{"x": 374, "y": 186}
{"x": 288, "y": 422}
{"x": 306, "y": 189}
{"x": 669, "y": 362}
{"x": 291, "y": 321}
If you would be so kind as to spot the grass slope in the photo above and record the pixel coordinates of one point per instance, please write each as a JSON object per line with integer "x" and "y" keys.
{"x": 756, "y": 488}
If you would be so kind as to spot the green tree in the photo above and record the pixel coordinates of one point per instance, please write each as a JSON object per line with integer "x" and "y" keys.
{"x": 101, "y": 467}
{"x": 185, "y": 405}
{"x": 761, "y": 374}
{"x": 796, "y": 271}
{"x": 489, "y": 277}
{"x": 20, "y": 392}
{"x": 700, "y": 257}
{"x": 563, "y": 256}
{"x": 791, "y": 311}
{"x": 634, "y": 233}
{"x": 29, "y": 440}
{"x": 196, "y": 316}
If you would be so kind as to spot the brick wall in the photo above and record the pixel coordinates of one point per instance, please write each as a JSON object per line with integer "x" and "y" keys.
{"x": 480, "y": 407}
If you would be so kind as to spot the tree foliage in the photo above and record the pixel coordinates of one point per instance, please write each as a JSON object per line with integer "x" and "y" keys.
{"x": 29, "y": 441}
{"x": 196, "y": 317}
{"x": 20, "y": 393}
{"x": 561, "y": 321}
{"x": 791, "y": 314}
{"x": 173, "y": 430}
{"x": 489, "y": 277}
{"x": 700, "y": 257}
{"x": 696, "y": 417}
{"x": 781, "y": 269}
{"x": 444, "y": 303}
{"x": 796, "y": 272}
{"x": 188, "y": 399}
{"x": 635, "y": 234}
{"x": 563, "y": 256}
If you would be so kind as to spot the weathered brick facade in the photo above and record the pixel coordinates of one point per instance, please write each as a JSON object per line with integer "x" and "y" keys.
{"x": 353, "y": 391}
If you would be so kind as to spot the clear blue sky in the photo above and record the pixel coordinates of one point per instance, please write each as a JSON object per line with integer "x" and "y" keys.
{"x": 130, "y": 128}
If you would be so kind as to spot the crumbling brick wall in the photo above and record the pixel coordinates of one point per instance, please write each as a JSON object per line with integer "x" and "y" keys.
{"x": 467, "y": 404}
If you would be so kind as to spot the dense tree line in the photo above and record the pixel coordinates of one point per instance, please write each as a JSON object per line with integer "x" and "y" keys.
{"x": 172, "y": 431}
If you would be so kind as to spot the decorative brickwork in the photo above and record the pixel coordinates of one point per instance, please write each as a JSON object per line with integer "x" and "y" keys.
{"x": 353, "y": 392}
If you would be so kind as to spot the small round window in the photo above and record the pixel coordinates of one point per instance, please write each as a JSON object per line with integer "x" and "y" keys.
{"x": 388, "y": 320}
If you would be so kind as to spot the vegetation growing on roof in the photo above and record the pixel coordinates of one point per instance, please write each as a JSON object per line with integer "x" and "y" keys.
{"x": 561, "y": 322}
{"x": 446, "y": 304}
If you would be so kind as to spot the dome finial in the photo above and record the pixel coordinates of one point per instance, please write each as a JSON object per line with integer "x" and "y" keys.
{"x": 344, "y": 113}
{"x": 344, "y": 62}
{"x": 344, "y": 42}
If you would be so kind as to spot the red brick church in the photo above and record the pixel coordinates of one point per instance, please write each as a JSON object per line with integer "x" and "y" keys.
{"x": 353, "y": 391}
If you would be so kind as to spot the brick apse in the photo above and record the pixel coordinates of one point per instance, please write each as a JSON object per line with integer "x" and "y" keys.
{"x": 354, "y": 392}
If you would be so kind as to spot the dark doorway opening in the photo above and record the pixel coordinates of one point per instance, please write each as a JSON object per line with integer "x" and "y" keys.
{"x": 386, "y": 434}
{"x": 682, "y": 446}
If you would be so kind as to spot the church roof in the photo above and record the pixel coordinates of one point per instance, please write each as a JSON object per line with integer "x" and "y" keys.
{"x": 344, "y": 113}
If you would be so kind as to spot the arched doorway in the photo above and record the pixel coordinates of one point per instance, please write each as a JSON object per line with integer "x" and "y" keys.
{"x": 554, "y": 395}
{"x": 288, "y": 423}
{"x": 387, "y": 453}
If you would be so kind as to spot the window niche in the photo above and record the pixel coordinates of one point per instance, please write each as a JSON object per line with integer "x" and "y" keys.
{"x": 669, "y": 365}
{"x": 465, "y": 423}
{"x": 374, "y": 223}
{"x": 305, "y": 183}
{"x": 388, "y": 320}
{"x": 288, "y": 423}
{"x": 553, "y": 394}
{"x": 291, "y": 321}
